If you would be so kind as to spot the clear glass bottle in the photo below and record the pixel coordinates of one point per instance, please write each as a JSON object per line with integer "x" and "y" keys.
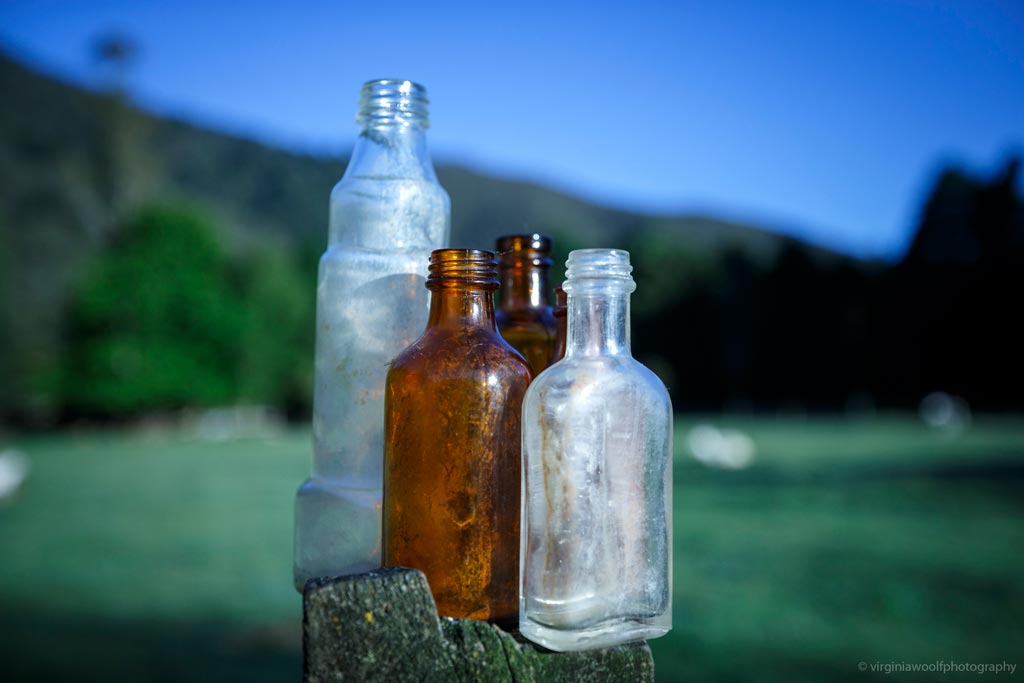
{"x": 596, "y": 547}
{"x": 452, "y": 463}
{"x": 524, "y": 310}
{"x": 387, "y": 214}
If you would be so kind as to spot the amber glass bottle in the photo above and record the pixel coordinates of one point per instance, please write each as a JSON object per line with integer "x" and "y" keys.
{"x": 559, "y": 311}
{"x": 524, "y": 312}
{"x": 452, "y": 446}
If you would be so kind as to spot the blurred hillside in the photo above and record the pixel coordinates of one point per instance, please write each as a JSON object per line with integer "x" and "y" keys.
{"x": 106, "y": 312}
{"x": 77, "y": 164}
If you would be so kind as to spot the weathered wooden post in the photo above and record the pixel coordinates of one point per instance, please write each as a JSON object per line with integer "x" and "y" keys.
{"x": 383, "y": 626}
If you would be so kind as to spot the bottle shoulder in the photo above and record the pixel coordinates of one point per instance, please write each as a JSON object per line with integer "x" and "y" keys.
{"x": 451, "y": 352}
{"x": 386, "y": 213}
{"x": 407, "y": 188}
{"x": 611, "y": 375}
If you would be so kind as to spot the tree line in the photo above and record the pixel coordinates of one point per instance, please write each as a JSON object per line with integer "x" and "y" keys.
{"x": 167, "y": 317}
{"x": 806, "y": 334}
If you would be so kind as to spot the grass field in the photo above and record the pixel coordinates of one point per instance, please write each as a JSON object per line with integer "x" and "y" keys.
{"x": 155, "y": 557}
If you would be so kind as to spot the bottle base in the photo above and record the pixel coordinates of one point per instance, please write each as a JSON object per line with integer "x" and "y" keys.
{"x": 337, "y": 531}
{"x": 604, "y": 634}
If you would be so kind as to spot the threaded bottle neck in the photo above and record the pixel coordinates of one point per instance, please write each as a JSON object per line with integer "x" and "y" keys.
{"x": 598, "y": 284}
{"x": 462, "y": 284}
{"x": 603, "y": 269}
{"x": 393, "y": 103}
{"x": 522, "y": 250}
{"x": 466, "y": 268}
{"x": 523, "y": 262}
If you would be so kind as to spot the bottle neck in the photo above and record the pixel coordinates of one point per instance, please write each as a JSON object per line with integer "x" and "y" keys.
{"x": 523, "y": 262}
{"x": 598, "y": 323}
{"x": 458, "y": 306}
{"x": 393, "y": 120}
{"x": 462, "y": 284}
{"x": 524, "y": 286}
{"x": 390, "y": 153}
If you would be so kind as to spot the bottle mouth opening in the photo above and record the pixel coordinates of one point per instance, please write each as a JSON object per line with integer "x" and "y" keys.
{"x": 590, "y": 268}
{"x": 460, "y": 267}
{"x": 526, "y": 249}
{"x": 389, "y": 102}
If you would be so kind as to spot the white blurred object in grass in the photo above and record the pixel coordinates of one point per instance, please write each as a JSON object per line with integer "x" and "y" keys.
{"x": 728, "y": 449}
{"x": 14, "y": 468}
{"x": 234, "y": 422}
{"x": 946, "y": 412}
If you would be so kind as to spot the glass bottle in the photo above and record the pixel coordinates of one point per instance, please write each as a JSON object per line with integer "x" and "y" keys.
{"x": 597, "y": 456}
{"x": 387, "y": 214}
{"x": 452, "y": 446}
{"x": 559, "y": 312}
{"x": 524, "y": 312}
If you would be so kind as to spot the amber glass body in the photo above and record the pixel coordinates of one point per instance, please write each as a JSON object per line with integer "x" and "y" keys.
{"x": 561, "y": 325}
{"x": 524, "y": 311}
{"x": 452, "y": 439}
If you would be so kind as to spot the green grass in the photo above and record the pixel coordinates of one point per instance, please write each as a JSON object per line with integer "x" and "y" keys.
{"x": 152, "y": 558}
{"x": 133, "y": 557}
{"x": 848, "y": 541}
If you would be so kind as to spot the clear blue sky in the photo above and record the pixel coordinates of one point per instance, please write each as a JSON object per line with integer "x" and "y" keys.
{"x": 824, "y": 119}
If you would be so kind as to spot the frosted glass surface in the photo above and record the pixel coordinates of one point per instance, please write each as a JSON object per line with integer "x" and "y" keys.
{"x": 596, "y": 541}
{"x": 597, "y": 482}
{"x": 371, "y": 303}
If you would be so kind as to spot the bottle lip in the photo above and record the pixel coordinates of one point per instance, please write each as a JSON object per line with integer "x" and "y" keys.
{"x": 524, "y": 241}
{"x": 598, "y": 268}
{"x": 393, "y": 102}
{"x": 526, "y": 248}
{"x": 453, "y": 267}
{"x": 403, "y": 84}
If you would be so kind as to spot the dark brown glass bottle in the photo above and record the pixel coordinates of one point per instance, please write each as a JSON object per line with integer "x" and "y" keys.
{"x": 452, "y": 439}
{"x": 561, "y": 324}
{"x": 524, "y": 312}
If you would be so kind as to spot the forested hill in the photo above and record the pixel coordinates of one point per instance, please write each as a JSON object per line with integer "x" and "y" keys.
{"x": 103, "y": 152}
{"x": 75, "y": 164}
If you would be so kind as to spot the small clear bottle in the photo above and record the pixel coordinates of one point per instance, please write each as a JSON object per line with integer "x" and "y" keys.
{"x": 387, "y": 214}
{"x": 452, "y": 459}
{"x": 524, "y": 309}
{"x": 596, "y": 552}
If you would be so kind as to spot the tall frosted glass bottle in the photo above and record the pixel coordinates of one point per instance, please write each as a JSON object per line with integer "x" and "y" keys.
{"x": 597, "y": 458}
{"x": 387, "y": 214}
{"x": 524, "y": 312}
{"x": 452, "y": 463}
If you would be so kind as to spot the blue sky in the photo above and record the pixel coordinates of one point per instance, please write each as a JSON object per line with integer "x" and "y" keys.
{"x": 828, "y": 120}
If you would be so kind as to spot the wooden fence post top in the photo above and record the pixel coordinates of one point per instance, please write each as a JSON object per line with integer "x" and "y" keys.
{"x": 383, "y": 626}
